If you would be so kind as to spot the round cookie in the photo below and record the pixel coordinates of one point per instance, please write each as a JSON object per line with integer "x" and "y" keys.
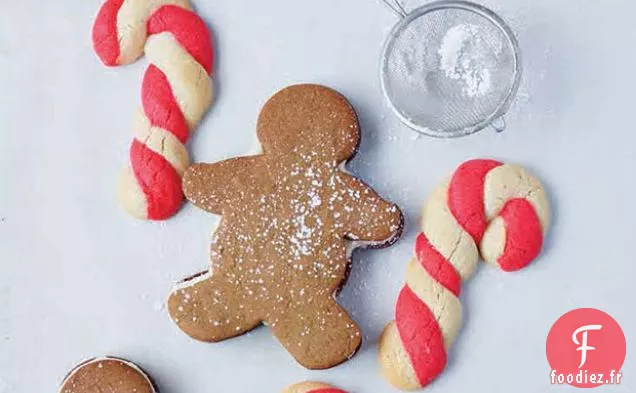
{"x": 489, "y": 209}
{"x": 290, "y": 218}
{"x": 107, "y": 375}
{"x": 312, "y": 387}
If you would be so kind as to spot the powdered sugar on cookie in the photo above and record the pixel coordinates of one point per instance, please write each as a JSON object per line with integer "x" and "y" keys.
{"x": 280, "y": 252}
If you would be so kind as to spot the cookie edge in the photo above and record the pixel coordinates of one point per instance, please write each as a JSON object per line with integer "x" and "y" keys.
{"x": 93, "y": 360}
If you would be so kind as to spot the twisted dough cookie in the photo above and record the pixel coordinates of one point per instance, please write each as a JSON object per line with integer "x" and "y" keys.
{"x": 497, "y": 210}
{"x": 312, "y": 387}
{"x": 176, "y": 92}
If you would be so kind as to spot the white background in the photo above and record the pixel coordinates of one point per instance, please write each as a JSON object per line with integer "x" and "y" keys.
{"x": 79, "y": 278}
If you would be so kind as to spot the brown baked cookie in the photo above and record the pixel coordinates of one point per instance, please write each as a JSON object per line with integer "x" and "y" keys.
{"x": 312, "y": 387}
{"x": 290, "y": 218}
{"x": 107, "y": 375}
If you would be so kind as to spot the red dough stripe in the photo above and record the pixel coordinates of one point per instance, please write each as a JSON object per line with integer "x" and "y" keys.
{"x": 105, "y": 39}
{"x": 436, "y": 265}
{"x": 524, "y": 236}
{"x": 466, "y": 196}
{"x": 160, "y": 106}
{"x": 421, "y": 336}
{"x": 158, "y": 180}
{"x": 188, "y": 29}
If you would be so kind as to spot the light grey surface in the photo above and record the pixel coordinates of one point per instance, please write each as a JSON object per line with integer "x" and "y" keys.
{"x": 79, "y": 278}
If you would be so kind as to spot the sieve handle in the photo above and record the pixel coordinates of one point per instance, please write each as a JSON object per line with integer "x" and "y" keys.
{"x": 397, "y": 7}
{"x": 499, "y": 124}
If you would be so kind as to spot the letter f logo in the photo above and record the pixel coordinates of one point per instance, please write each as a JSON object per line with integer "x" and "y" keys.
{"x": 583, "y": 344}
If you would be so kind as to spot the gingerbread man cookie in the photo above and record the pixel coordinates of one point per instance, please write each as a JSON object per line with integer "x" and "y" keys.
{"x": 487, "y": 208}
{"x": 312, "y": 387}
{"x": 290, "y": 218}
{"x": 107, "y": 375}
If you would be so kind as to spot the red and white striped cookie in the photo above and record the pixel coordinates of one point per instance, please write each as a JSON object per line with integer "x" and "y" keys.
{"x": 176, "y": 93}
{"x": 487, "y": 208}
{"x": 312, "y": 387}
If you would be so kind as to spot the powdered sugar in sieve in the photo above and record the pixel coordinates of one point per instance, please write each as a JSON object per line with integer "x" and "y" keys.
{"x": 450, "y": 68}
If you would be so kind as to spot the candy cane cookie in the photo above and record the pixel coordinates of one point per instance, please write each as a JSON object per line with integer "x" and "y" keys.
{"x": 176, "y": 92}
{"x": 312, "y": 387}
{"x": 107, "y": 374}
{"x": 487, "y": 208}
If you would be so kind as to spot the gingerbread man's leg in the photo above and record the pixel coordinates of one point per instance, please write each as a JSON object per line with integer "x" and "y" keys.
{"x": 318, "y": 334}
{"x": 206, "y": 309}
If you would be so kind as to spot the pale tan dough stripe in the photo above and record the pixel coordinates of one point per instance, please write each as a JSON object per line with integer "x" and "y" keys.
{"x": 444, "y": 305}
{"x": 132, "y": 20}
{"x": 502, "y": 184}
{"x": 395, "y": 363}
{"x": 442, "y": 230}
{"x": 189, "y": 81}
{"x": 305, "y": 387}
{"x": 512, "y": 181}
{"x": 130, "y": 195}
{"x": 162, "y": 142}
{"x": 493, "y": 243}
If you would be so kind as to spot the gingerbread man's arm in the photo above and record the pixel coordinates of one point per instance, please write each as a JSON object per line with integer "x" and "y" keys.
{"x": 367, "y": 217}
{"x": 212, "y": 186}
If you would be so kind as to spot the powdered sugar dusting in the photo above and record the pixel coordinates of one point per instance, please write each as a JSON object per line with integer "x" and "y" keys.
{"x": 323, "y": 206}
{"x": 462, "y": 58}
{"x": 4, "y": 387}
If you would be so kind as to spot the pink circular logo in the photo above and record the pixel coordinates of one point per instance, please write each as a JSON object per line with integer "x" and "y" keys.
{"x": 586, "y": 348}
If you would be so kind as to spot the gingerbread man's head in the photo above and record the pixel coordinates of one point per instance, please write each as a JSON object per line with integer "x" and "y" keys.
{"x": 309, "y": 119}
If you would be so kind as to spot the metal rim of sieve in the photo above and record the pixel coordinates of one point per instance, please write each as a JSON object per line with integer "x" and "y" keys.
{"x": 475, "y": 8}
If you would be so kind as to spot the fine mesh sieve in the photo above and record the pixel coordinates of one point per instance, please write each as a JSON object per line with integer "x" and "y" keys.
{"x": 450, "y": 68}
